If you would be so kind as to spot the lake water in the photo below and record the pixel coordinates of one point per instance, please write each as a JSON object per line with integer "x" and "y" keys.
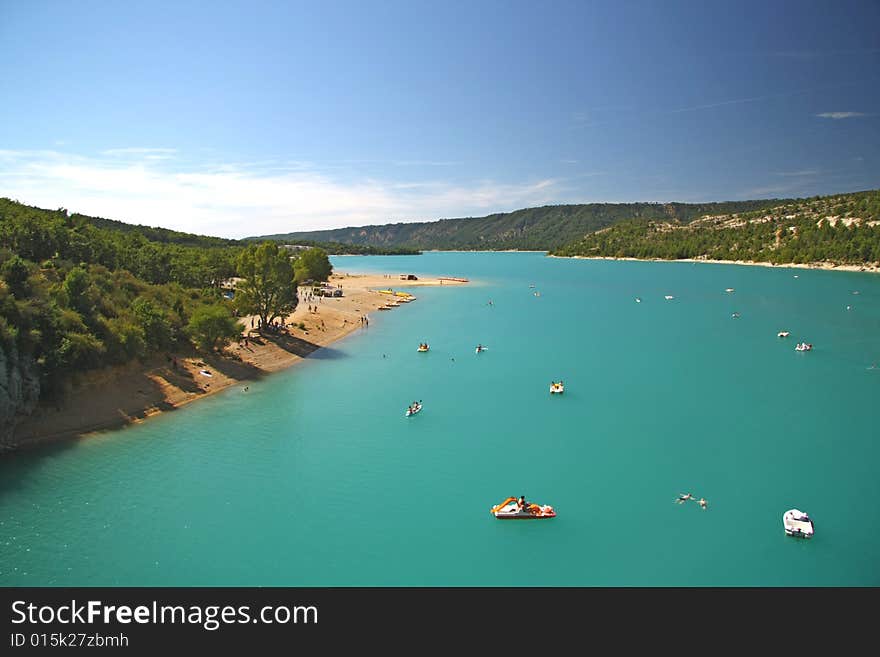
{"x": 314, "y": 477}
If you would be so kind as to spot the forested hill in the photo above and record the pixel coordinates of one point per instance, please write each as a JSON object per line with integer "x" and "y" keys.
{"x": 337, "y": 248}
{"x": 153, "y": 234}
{"x": 840, "y": 229}
{"x": 543, "y": 228}
{"x": 79, "y": 293}
{"x": 10, "y": 208}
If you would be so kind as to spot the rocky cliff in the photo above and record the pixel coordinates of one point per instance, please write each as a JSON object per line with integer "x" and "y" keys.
{"x": 19, "y": 391}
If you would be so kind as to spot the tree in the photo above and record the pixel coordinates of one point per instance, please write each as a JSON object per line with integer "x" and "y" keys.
{"x": 156, "y": 328}
{"x": 76, "y": 285}
{"x": 15, "y": 272}
{"x": 213, "y": 326}
{"x": 268, "y": 289}
{"x": 313, "y": 264}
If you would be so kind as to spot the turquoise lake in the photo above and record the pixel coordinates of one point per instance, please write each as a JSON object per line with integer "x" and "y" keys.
{"x": 314, "y": 477}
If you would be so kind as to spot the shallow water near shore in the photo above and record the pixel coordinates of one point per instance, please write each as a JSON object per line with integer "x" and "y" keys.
{"x": 314, "y": 477}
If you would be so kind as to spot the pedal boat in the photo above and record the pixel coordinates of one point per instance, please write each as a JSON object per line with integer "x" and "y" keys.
{"x": 797, "y": 523}
{"x": 509, "y": 510}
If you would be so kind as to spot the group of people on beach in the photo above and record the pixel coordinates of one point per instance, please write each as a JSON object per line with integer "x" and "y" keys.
{"x": 684, "y": 497}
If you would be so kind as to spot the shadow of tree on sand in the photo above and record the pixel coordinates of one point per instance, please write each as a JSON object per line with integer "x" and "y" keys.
{"x": 179, "y": 378}
{"x": 234, "y": 369}
{"x": 303, "y": 348}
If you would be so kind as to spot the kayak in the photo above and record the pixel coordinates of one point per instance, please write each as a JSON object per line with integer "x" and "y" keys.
{"x": 413, "y": 411}
{"x": 479, "y": 349}
{"x": 509, "y": 510}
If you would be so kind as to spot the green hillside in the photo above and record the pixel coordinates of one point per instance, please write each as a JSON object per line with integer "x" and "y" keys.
{"x": 543, "y": 228}
{"x": 840, "y": 229}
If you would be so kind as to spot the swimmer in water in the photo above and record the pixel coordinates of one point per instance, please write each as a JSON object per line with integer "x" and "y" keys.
{"x": 703, "y": 503}
{"x": 684, "y": 498}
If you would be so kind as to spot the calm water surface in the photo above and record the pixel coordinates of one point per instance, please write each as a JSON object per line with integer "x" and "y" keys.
{"x": 315, "y": 478}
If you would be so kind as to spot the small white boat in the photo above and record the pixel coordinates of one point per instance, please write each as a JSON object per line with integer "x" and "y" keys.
{"x": 668, "y": 297}
{"x": 729, "y": 289}
{"x": 797, "y": 523}
{"x": 735, "y": 315}
{"x": 423, "y": 347}
{"x": 412, "y": 410}
{"x": 557, "y": 388}
{"x": 638, "y": 300}
{"x": 803, "y": 346}
{"x": 783, "y": 334}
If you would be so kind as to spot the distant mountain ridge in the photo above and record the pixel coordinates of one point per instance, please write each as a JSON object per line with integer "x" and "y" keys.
{"x": 541, "y": 228}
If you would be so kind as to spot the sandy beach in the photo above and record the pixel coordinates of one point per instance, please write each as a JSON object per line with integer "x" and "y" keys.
{"x": 871, "y": 268}
{"x": 114, "y": 397}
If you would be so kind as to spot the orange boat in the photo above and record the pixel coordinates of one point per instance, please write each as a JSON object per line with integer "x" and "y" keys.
{"x": 510, "y": 509}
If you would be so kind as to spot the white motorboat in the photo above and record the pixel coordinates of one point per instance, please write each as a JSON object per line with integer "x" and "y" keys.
{"x": 669, "y": 297}
{"x": 783, "y": 334}
{"x": 730, "y": 289}
{"x": 797, "y": 523}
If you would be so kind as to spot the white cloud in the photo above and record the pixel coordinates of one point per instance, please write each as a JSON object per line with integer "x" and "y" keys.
{"x": 139, "y": 151}
{"x": 840, "y": 115}
{"x": 803, "y": 172}
{"x": 238, "y": 200}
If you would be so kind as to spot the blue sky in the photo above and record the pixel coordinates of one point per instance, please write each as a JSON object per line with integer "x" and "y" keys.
{"x": 243, "y": 118}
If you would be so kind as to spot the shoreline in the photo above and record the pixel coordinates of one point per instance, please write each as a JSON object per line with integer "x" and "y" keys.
{"x": 821, "y": 266}
{"x": 120, "y": 396}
